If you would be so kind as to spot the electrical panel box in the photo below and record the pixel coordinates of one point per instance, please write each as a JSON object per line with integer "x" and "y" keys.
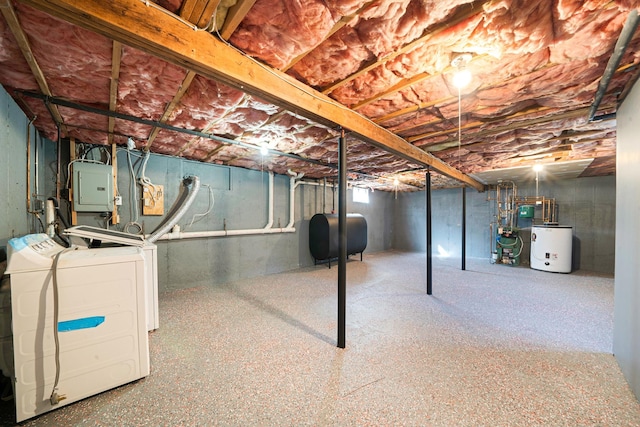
{"x": 92, "y": 187}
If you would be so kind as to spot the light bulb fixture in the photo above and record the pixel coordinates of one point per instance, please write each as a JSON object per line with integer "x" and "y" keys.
{"x": 462, "y": 76}
{"x": 537, "y": 168}
{"x": 396, "y": 182}
{"x": 264, "y": 149}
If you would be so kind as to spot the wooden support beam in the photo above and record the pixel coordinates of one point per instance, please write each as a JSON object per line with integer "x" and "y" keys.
{"x": 187, "y": 7}
{"x": 184, "y": 86}
{"x": 9, "y": 13}
{"x": 150, "y": 30}
{"x": 72, "y": 157}
{"x": 115, "y": 217}
{"x": 116, "y": 56}
{"x": 205, "y": 15}
{"x": 198, "y": 12}
{"x": 235, "y": 15}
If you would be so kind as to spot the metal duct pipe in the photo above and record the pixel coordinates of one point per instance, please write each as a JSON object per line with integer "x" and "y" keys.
{"x": 175, "y": 216}
{"x": 626, "y": 35}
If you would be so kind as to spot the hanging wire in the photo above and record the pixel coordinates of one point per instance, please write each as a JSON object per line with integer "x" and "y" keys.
{"x": 459, "y": 129}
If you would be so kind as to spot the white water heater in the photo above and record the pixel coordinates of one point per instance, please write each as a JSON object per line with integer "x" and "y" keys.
{"x": 551, "y": 248}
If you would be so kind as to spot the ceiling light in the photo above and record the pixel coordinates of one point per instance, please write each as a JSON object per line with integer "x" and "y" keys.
{"x": 462, "y": 78}
{"x": 396, "y": 182}
{"x": 538, "y": 167}
{"x": 264, "y": 150}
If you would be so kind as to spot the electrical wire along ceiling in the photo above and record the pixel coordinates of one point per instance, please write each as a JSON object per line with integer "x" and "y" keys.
{"x": 270, "y": 83}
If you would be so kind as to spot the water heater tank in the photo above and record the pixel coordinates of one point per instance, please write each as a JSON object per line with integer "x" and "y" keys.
{"x": 551, "y": 248}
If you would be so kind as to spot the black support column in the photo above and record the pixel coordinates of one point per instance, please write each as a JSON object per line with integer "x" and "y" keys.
{"x": 342, "y": 239}
{"x": 428, "y": 215}
{"x": 464, "y": 228}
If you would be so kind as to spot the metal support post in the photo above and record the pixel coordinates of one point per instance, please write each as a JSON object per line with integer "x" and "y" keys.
{"x": 464, "y": 228}
{"x": 342, "y": 239}
{"x": 428, "y": 215}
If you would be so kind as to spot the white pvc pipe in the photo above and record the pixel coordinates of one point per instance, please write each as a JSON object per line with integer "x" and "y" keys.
{"x": 316, "y": 184}
{"x": 270, "y": 221}
{"x": 292, "y": 196}
{"x": 178, "y": 235}
{"x": 50, "y": 217}
{"x": 223, "y": 233}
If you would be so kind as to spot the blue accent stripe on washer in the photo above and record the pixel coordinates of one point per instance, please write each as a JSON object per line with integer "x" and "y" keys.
{"x": 84, "y": 323}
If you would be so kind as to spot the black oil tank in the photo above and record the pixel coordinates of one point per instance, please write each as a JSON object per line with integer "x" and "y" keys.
{"x": 323, "y": 235}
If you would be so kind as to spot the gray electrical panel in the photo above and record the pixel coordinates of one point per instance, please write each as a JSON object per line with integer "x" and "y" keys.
{"x": 92, "y": 187}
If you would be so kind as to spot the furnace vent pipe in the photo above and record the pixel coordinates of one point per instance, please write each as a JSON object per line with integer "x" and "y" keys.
{"x": 626, "y": 35}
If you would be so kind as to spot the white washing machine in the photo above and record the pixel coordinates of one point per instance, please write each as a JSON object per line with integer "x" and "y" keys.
{"x": 98, "y": 298}
{"x": 551, "y": 248}
{"x": 81, "y": 235}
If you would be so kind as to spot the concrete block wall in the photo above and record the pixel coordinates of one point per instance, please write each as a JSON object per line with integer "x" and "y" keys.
{"x": 626, "y": 319}
{"x": 586, "y": 204}
{"x": 16, "y": 133}
{"x": 240, "y": 202}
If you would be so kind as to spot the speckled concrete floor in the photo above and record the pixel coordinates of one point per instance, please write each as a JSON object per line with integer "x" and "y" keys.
{"x": 493, "y": 346}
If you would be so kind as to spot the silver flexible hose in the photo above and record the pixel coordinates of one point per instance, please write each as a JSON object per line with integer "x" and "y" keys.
{"x": 179, "y": 208}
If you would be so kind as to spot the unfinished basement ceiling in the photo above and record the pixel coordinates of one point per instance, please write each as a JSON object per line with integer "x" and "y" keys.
{"x": 234, "y": 76}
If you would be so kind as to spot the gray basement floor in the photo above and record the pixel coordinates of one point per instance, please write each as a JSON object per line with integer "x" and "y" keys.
{"x": 494, "y": 346}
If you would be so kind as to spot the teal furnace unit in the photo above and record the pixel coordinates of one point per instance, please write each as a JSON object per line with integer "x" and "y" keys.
{"x": 508, "y": 246}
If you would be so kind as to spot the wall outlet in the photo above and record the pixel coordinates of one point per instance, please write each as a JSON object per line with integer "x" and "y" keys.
{"x": 118, "y": 200}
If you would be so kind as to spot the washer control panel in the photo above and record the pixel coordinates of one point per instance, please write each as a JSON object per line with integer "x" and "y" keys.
{"x": 31, "y": 252}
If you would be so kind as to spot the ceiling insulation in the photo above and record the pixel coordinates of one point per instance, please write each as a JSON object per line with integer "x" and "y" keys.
{"x": 215, "y": 81}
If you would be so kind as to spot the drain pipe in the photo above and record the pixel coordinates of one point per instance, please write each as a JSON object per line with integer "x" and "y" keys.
{"x": 270, "y": 220}
{"x": 292, "y": 195}
{"x": 324, "y": 194}
{"x": 626, "y": 35}
{"x": 268, "y": 229}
